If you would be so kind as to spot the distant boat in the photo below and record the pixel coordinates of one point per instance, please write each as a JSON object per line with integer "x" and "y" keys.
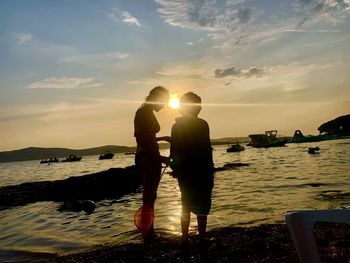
{"x": 51, "y": 160}
{"x": 130, "y": 153}
{"x": 106, "y": 155}
{"x": 298, "y": 137}
{"x": 72, "y": 158}
{"x": 269, "y": 139}
{"x": 235, "y": 148}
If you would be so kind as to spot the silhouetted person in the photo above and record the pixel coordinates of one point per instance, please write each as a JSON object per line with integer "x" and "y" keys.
{"x": 148, "y": 159}
{"x": 192, "y": 163}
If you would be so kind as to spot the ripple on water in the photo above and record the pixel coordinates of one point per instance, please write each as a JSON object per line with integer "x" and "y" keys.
{"x": 276, "y": 180}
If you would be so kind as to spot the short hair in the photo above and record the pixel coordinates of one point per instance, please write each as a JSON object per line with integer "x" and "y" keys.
{"x": 156, "y": 93}
{"x": 190, "y": 103}
{"x": 190, "y": 98}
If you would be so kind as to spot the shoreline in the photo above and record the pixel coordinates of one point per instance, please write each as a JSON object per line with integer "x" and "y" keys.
{"x": 263, "y": 243}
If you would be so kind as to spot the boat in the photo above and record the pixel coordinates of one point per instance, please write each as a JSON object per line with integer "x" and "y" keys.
{"x": 72, "y": 158}
{"x": 130, "y": 153}
{"x": 51, "y": 160}
{"x": 233, "y": 148}
{"x": 299, "y": 137}
{"x": 313, "y": 150}
{"x": 269, "y": 139}
{"x": 106, "y": 155}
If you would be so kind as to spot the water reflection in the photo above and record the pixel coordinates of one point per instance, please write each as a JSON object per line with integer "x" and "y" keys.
{"x": 276, "y": 180}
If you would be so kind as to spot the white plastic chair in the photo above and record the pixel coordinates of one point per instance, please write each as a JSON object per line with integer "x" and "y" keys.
{"x": 301, "y": 224}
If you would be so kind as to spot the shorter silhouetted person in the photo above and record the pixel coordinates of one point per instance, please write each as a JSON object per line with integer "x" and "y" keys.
{"x": 192, "y": 163}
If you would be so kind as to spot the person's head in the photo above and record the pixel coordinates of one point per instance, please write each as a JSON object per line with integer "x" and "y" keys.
{"x": 190, "y": 104}
{"x": 158, "y": 97}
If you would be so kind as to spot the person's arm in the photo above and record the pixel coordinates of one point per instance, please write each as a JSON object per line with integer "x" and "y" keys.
{"x": 147, "y": 142}
{"x": 210, "y": 148}
{"x": 165, "y": 160}
{"x": 172, "y": 156}
{"x": 164, "y": 138}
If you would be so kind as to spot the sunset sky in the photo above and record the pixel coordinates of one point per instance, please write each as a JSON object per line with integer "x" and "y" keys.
{"x": 73, "y": 73}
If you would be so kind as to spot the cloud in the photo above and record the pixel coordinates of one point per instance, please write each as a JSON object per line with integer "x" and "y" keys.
{"x": 314, "y": 31}
{"x": 190, "y": 43}
{"x": 65, "y": 83}
{"x": 189, "y": 14}
{"x": 333, "y": 10}
{"x": 125, "y": 16}
{"x": 245, "y": 73}
{"x": 202, "y": 14}
{"x": 22, "y": 38}
{"x": 240, "y": 22}
{"x": 95, "y": 58}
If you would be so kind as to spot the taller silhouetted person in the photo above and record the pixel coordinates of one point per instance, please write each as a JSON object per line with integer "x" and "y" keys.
{"x": 148, "y": 159}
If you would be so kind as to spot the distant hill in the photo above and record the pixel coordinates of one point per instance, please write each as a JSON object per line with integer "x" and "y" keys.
{"x": 36, "y": 153}
{"x": 39, "y": 153}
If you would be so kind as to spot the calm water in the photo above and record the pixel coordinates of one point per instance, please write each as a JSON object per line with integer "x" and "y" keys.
{"x": 276, "y": 180}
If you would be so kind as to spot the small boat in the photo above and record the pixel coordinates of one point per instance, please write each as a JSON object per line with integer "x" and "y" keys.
{"x": 106, "y": 155}
{"x": 299, "y": 137}
{"x": 51, "y": 160}
{"x": 130, "y": 153}
{"x": 233, "y": 148}
{"x": 72, "y": 158}
{"x": 313, "y": 150}
{"x": 269, "y": 139}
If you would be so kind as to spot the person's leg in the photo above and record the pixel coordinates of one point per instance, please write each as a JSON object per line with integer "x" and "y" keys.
{"x": 202, "y": 226}
{"x": 185, "y": 224}
{"x": 151, "y": 178}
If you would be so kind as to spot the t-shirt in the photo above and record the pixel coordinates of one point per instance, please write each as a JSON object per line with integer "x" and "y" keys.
{"x": 190, "y": 146}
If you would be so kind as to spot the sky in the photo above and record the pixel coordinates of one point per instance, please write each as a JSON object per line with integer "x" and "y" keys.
{"x": 73, "y": 73}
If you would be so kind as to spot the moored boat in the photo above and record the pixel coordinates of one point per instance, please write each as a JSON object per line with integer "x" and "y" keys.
{"x": 51, "y": 160}
{"x": 72, "y": 158}
{"x": 269, "y": 139}
{"x": 235, "y": 148}
{"x": 130, "y": 153}
{"x": 299, "y": 137}
{"x": 106, "y": 155}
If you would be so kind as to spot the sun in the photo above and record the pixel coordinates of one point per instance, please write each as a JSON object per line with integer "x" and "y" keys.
{"x": 174, "y": 102}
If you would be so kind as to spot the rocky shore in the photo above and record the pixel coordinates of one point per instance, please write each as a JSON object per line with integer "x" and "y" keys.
{"x": 264, "y": 243}
{"x": 112, "y": 183}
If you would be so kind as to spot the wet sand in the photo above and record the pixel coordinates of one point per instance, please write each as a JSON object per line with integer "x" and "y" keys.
{"x": 264, "y": 243}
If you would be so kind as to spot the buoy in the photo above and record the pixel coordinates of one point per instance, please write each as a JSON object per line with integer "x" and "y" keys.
{"x": 143, "y": 219}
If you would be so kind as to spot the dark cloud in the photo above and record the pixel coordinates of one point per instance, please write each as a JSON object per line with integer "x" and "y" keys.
{"x": 333, "y": 9}
{"x": 241, "y": 22}
{"x": 221, "y": 73}
{"x": 245, "y": 15}
{"x": 202, "y": 13}
{"x": 254, "y": 71}
{"x": 244, "y": 73}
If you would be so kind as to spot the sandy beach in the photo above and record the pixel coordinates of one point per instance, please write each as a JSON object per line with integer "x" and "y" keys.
{"x": 264, "y": 243}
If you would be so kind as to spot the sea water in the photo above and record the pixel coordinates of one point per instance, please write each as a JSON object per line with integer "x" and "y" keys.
{"x": 275, "y": 181}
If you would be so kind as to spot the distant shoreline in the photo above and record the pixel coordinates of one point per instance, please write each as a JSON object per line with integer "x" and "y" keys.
{"x": 39, "y": 153}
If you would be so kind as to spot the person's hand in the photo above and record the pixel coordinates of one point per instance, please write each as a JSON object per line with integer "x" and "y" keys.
{"x": 165, "y": 160}
{"x": 164, "y": 138}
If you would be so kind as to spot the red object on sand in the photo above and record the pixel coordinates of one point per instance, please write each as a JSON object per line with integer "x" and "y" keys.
{"x": 143, "y": 219}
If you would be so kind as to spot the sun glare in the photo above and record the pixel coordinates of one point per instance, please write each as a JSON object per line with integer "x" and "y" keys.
{"x": 174, "y": 102}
